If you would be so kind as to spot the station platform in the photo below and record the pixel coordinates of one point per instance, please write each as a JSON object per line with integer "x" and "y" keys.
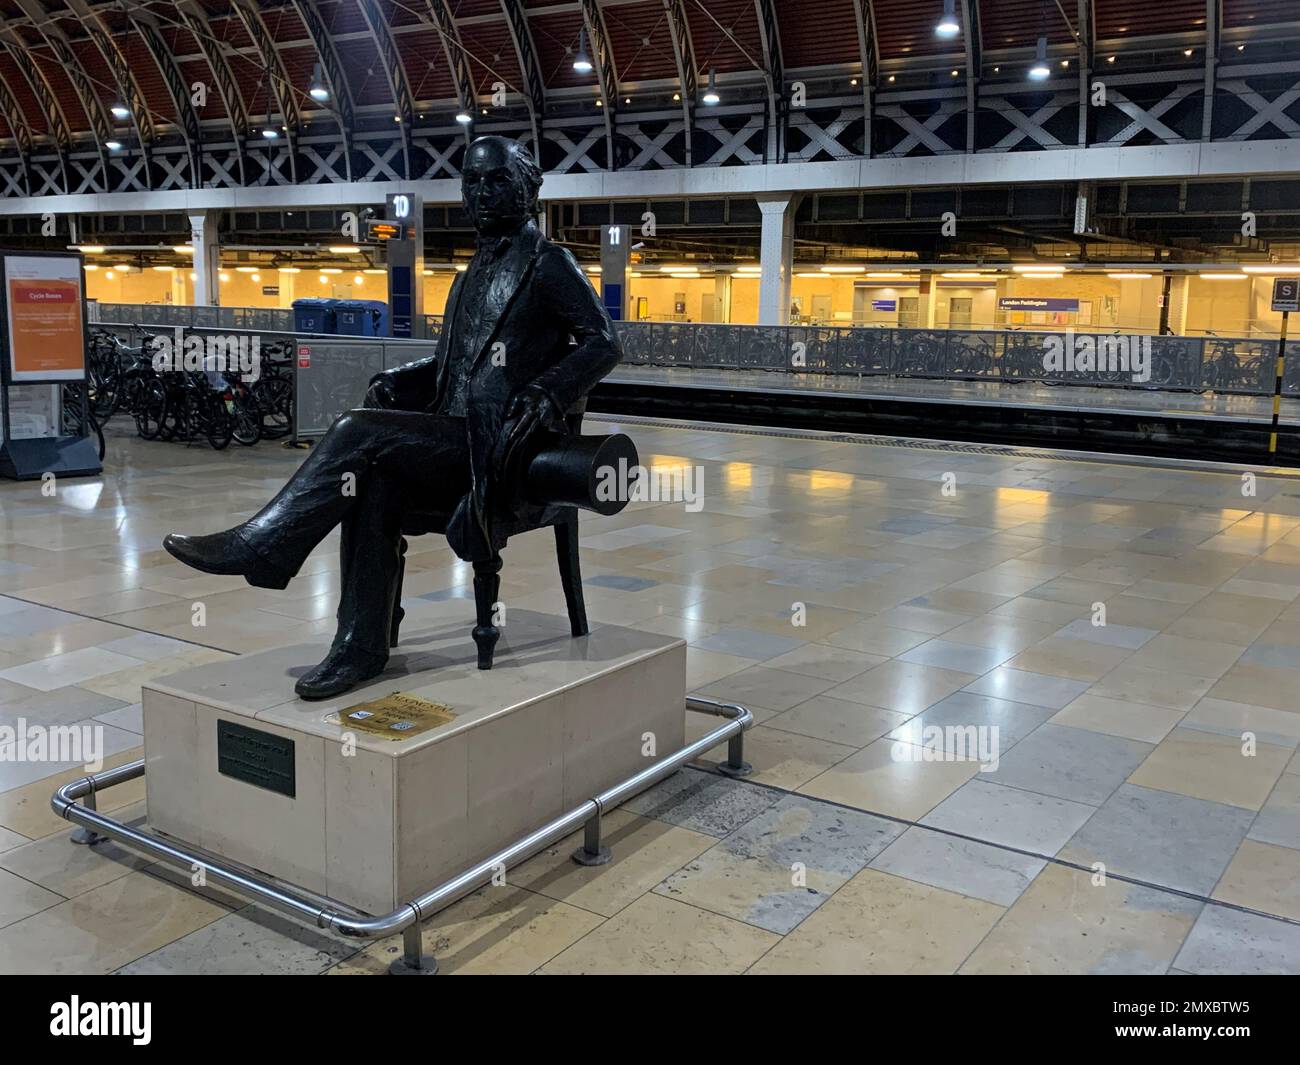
{"x": 1208, "y": 426}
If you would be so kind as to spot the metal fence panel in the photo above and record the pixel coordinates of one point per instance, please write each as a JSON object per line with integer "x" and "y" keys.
{"x": 333, "y": 381}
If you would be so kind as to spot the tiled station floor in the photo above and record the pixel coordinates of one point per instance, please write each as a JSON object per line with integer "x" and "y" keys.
{"x": 1161, "y": 744}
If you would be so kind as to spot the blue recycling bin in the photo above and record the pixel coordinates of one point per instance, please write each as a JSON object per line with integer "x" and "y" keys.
{"x": 315, "y": 315}
{"x": 361, "y": 318}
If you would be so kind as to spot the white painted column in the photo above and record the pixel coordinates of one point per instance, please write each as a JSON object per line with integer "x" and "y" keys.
{"x": 207, "y": 259}
{"x": 776, "y": 258}
{"x": 722, "y": 297}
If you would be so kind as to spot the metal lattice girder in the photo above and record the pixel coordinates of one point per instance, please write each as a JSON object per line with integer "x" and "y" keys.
{"x": 396, "y": 74}
{"x": 1148, "y": 118}
{"x": 457, "y": 60}
{"x": 341, "y": 105}
{"x": 684, "y": 56}
{"x": 603, "y": 54}
{"x": 196, "y": 21}
{"x": 1267, "y": 112}
{"x": 869, "y": 49}
{"x": 1213, "y": 32}
{"x": 101, "y": 123}
{"x": 128, "y": 89}
{"x": 774, "y": 74}
{"x": 970, "y": 26}
{"x": 251, "y": 18}
{"x": 22, "y": 133}
{"x": 56, "y": 122}
{"x": 146, "y": 26}
{"x": 534, "y": 85}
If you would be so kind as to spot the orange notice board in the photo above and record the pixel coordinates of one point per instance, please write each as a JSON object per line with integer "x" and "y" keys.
{"x": 43, "y": 303}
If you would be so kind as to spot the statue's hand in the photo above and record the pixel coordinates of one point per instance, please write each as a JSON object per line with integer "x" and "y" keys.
{"x": 382, "y": 391}
{"x": 530, "y": 412}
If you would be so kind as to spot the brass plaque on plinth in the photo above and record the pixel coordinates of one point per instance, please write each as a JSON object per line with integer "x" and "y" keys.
{"x": 395, "y": 717}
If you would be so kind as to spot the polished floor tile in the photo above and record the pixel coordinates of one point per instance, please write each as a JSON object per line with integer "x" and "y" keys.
{"x": 783, "y": 864}
{"x": 1161, "y": 838}
{"x": 883, "y": 637}
{"x": 1065, "y": 923}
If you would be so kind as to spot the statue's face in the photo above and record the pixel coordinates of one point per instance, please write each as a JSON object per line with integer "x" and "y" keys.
{"x": 495, "y": 194}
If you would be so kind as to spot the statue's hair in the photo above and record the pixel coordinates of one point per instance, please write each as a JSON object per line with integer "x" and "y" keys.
{"x": 529, "y": 171}
{"x": 525, "y": 164}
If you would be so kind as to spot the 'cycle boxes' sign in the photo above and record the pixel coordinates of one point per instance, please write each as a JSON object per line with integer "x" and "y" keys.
{"x": 47, "y": 337}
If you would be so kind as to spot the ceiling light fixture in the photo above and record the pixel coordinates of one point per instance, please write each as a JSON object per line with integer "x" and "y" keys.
{"x": 711, "y": 96}
{"x": 119, "y": 110}
{"x": 1040, "y": 70}
{"x": 947, "y": 26}
{"x": 317, "y": 90}
{"x": 582, "y": 61}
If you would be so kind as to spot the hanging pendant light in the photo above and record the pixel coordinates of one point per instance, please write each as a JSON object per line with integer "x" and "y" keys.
{"x": 318, "y": 91}
{"x": 711, "y": 96}
{"x": 947, "y": 26}
{"x": 582, "y": 61}
{"x": 1040, "y": 69}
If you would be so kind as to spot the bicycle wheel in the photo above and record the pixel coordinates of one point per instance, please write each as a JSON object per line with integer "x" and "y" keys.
{"x": 151, "y": 414}
{"x": 216, "y": 424}
{"x": 246, "y": 417}
{"x": 275, "y": 398}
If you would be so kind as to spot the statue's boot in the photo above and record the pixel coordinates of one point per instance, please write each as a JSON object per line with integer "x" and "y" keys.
{"x": 346, "y": 666}
{"x": 371, "y": 558}
{"x": 226, "y": 553}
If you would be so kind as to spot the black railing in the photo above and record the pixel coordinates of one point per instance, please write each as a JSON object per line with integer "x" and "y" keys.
{"x": 1234, "y": 365}
{"x": 1224, "y": 364}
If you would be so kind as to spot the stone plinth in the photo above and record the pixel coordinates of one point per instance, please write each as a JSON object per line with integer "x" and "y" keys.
{"x": 290, "y": 788}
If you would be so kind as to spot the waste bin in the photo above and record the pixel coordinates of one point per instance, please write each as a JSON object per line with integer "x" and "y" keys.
{"x": 314, "y": 315}
{"x": 361, "y": 318}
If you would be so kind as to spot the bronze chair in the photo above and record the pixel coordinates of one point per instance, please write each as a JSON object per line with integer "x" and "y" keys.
{"x": 562, "y": 479}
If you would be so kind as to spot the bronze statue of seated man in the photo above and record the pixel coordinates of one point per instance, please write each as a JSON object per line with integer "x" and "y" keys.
{"x": 524, "y": 339}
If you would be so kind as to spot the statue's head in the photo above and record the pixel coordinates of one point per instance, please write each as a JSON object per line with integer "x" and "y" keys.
{"x": 499, "y": 184}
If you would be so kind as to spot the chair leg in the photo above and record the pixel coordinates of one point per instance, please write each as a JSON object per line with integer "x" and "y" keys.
{"x": 398, "y": 612}
{"x": 487, "y": 585}
{"x": 566, "y": 553}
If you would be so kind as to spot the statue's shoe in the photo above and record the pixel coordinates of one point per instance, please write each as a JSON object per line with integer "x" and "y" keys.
{"x": 344, "y": 668}
{"x": 225, "y": 553}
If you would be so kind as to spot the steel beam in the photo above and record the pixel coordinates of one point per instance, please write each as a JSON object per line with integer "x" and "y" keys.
{"x": 457, "y": 59}
{"x": 250, "y": 16}
{"x": 56, "y": 123}
{"x": 148, "y": 29}
{"x": 526, "y": 51}
{"x": 340, "y": 103}
{"x": 1218, "y": 159}
{"x": 128, "y": 89}
{"x": 684, "y": 56}
{"x": 869, "y": 49}
{"x": 195, "y": 19}
{"x": 101, "y": 124}
{"x": 1213, "y": 34}
{"x": 970, "y": 27}
{"x": 606, "y": 74}
{"x": 774, "y": 75}
{"x": 381, "y": 33}
{"x": 1085, "y": 37}
{"x": 22, "y": 132}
